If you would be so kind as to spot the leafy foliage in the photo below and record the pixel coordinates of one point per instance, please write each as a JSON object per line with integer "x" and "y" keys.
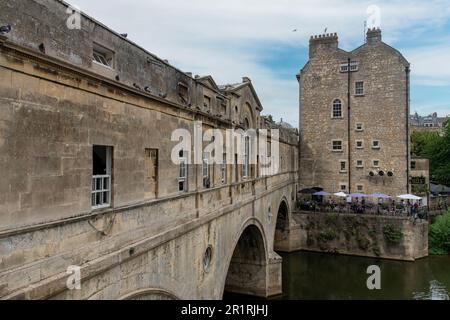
{"x": 439, "y": 235}
{"x": 392, "y": 234}
{"x": 436, "y": 148}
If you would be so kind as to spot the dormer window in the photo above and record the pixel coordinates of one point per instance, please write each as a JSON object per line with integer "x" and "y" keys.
{"x": 103, "y": 56}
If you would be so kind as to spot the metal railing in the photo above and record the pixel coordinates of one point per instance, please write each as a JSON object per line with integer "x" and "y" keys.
{"x": 397, "y": 210}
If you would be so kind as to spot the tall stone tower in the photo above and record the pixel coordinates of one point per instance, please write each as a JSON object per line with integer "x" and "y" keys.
{"x": 354, "y": 111}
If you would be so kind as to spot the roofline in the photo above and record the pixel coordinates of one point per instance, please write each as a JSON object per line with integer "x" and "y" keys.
{"x": 209, "y": 77}
{"x": 85, "y": 15}
{"x": 252, "y": 88}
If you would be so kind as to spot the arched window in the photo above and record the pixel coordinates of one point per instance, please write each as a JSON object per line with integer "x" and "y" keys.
{"x": 337, "y": 108}
{"x": 246, "y": 124}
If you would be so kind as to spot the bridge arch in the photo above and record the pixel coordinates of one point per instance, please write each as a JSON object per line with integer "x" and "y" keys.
{"x": 150, "y": 294}
{"x": 281, "y": 233}
{"x": 245, "y": 271}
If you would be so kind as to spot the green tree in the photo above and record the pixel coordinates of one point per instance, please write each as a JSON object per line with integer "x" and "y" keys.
{"x": 436, "y": 148}
{"x": 439, "y": 235}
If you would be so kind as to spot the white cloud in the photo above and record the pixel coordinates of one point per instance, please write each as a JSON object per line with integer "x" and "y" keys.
{"x": 430, "y": 65}
{"x": 220, "y": 37}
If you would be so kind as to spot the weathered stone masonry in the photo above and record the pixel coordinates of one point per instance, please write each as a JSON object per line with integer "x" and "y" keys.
{"x": 56, "y": 104}
{"x": 371, "y": 125}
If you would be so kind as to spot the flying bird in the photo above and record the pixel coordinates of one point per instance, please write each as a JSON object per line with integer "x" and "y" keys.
{"x": 5, "y": 29}
{"x": 325, "y": 31}
{"x": 295, "y": 30}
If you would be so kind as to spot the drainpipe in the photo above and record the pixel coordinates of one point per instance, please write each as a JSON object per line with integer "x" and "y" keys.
{"x": 407, "y": 71}
{"x": 299, "y": 150}
{"x": 349, "y": 166}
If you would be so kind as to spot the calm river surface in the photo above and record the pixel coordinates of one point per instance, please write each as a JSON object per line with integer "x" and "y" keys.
{"x": 324, "y": 276}
{"x": 318, "y": 276}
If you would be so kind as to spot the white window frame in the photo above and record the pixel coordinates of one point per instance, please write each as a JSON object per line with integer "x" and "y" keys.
{"x": 359, "y": 129}
{"x": 359, "y": 91}
{"x": 337, "y": 150}
{"x": 343, "y": 185}
{"x": 103, "y": 56}
{"x": 362, "y": 164}
{"x": 373, "y": 144}
{"x": 337, "y": 103}
{"x": 362, "y": 144}
{"x": 374, "y": 165}
{"x": 99, "y": 186}
{"x": 354, "y": 66}
{"x": 358, "y": 187}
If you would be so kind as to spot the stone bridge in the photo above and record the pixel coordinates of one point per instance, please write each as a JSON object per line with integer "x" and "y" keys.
{"x": 146, "y": 252}
{"x": 88, "y": 183}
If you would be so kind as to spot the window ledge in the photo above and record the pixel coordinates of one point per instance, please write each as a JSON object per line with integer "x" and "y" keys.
{"x": 102, "y": 65}
{"x": 337, "y": 151}
{"x": 337, "y": 118}
{"x": 359, "y": 95}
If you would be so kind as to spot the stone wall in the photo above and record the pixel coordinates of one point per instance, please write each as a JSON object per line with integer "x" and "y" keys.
{"x": 55, "y": 105}
{"x": 385, "y": 237}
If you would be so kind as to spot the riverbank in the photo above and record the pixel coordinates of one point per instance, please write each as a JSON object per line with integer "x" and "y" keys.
{"x": 388, "y": 237}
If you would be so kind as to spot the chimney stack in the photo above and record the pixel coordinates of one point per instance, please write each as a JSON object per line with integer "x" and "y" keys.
{"x": 328, "y": 41}
{"x": 373, "y": 35}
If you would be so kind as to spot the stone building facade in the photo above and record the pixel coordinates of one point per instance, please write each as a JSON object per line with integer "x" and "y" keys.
{"x": 354, "y": 113}
{"x": 430, "y": 121}
{"x": 86, "y": 118}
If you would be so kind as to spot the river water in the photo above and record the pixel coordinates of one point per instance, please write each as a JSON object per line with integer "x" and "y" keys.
{"x": 314, "y": 276}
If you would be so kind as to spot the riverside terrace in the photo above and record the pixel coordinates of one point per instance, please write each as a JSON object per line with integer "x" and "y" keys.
{"x": 359, "y": 203}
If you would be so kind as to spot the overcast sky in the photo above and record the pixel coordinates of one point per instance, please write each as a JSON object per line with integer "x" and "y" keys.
{"x": 255, "y": 38}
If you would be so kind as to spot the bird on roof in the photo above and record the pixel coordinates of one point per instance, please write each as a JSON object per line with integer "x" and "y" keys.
{"x": 5, "y": 29}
